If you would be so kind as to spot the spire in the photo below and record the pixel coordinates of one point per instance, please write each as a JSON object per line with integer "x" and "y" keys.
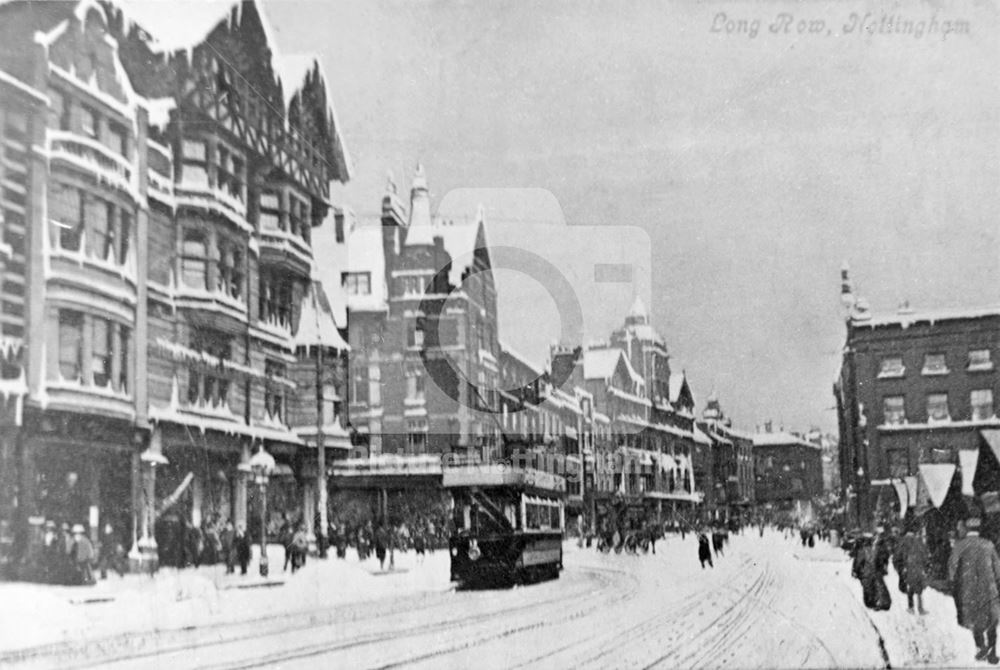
{"x": 638, "y": 311}
{"x": 420, "y": 201}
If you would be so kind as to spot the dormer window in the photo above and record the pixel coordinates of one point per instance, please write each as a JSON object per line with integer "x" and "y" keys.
{"x": 979, "y": 360}
{"x": 934, "y": 364}
{"x": 891, "y": 366}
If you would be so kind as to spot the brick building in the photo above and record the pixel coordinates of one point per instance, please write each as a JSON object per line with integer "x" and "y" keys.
{"x": 789, "y": 472}
{"x": 916, "y": 388}
{"x": 423, "y": 325}
{"x": 164, "y": 320}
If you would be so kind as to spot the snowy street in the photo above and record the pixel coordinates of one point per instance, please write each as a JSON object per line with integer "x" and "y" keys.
{"x": 768, "y": 602}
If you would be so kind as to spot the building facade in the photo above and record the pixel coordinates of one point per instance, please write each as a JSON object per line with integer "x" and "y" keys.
{"x": 917, "y": 388}
{"x": 789, "y": 474}
{"x": 171, "y": 322}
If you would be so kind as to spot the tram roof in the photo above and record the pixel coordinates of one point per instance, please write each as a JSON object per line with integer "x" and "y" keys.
{"x": 493, "y": 475}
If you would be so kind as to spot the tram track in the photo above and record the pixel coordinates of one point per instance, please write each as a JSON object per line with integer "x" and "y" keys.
{"x": 538, "y": 609}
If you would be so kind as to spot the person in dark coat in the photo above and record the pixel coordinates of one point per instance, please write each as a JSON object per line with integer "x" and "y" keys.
{"x": 111, "y": 552}
{"x": 915, "y": 559}
{"x": 241, "y": 545}
{"x": 704, "y": 551}
{"x": 381, "y": 545}
{"x": 52, "y": 554}
{"x": 227, "y": 539}
{"x": 974, "y": 571}
{"x": 870, "y": 566}
{"x": 83, "y": 556}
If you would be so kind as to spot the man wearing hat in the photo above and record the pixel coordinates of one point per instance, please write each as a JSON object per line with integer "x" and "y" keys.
{"x": 974, "y": 572}
{"x": 83, "y": 555}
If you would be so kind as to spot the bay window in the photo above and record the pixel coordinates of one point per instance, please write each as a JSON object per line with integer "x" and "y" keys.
{"x": 100, "y": 351}
{"x": 208, "y": 384}
{"x": 70, "y": 344}
{"x": 194, "y": 259}
{"x": 67, "y": 216}
{"x": 275, "y": 298}
{"x": 100, "y": 215}
{"x": 270, "y": 211}
{"x": 274, "y": 390}
{"x": 230, "y": 276}
{"x": 194, "y": 162}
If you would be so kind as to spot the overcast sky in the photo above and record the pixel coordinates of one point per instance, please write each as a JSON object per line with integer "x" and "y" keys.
{"x": 756, "y": 165}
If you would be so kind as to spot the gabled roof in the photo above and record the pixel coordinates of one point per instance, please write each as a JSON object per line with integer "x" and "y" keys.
{"x": 602, "y": 363}
{"x": 679, "y": 388}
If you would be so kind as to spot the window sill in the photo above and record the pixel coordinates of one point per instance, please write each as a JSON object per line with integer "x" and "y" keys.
{"x": 980, "y": 368}
{"x": 891, "y": 375}
{"x": 935, "y": 373}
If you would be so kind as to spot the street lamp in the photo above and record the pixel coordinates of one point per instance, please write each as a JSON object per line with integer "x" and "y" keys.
{"x": 262, "y": 465}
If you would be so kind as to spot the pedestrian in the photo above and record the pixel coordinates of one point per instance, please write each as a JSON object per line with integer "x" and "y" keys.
{"x": 241, "y": 544}
{"x": 226, "y": 539}
{"x": 286, "y": 536}
{"x": 83, "y": 556}
{"x": 419, "y": 545}
{"x": 381, "y": 545}
{"x": 974, "y": 571}
{"x": 914, "y": 564}
{"x": 52, "y": 554}
{"x": 704, "y": 552}
{"x": 300, "y": 547}
{"x": 653, "y": 531}
{"x": 111, "y": 552}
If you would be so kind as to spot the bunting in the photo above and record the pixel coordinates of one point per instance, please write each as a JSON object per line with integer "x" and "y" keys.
{"x": 968, "y": 458}
{"x": 992, "y": 438}
{"x": 937, "y": 477}
{"x": 911, "y": 490}
{"x": 902, "y": 494}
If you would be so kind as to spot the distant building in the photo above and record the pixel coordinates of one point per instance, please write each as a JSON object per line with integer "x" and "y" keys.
{"x": 788, "y": 470}
{"x": 731, "y": 491}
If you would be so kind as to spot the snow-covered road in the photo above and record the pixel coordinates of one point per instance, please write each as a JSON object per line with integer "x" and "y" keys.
{"x": 767, "y": 603}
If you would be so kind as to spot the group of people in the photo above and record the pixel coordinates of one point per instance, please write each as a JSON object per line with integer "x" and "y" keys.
{"x": 716, "y": 534}
{"x": 629, "y": 540}
{"x": 973, "y": 577}
{"x": 909, "y": 556}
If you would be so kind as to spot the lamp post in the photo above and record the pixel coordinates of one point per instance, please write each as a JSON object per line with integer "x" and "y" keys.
{"x": 262, "y": 465}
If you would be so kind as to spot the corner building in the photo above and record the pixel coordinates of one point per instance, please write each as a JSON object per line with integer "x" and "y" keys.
{"x": 169, "y": 322}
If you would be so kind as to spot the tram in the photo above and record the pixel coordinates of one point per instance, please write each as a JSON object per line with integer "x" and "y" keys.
{"x": 508, "y": 525}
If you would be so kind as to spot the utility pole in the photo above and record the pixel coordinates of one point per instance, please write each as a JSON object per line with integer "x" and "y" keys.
{"x": 321, "y": 491}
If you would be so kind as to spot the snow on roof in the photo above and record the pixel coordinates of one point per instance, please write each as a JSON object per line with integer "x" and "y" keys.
{"x": 602, "y": 363}
{"x": 700, "y": 437}
{"x": 316, "y": 323}
{"x": 906, "y": 318}
{"x": 524, "y": 360}
{"x": 365, "y": 254}
{"x": 181, "y": 24}
{"x": 780, "y": 438}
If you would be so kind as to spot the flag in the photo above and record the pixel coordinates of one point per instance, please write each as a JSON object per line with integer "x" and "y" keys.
{"x": 968, "y": 458}
{"x": 937, "y": 477}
